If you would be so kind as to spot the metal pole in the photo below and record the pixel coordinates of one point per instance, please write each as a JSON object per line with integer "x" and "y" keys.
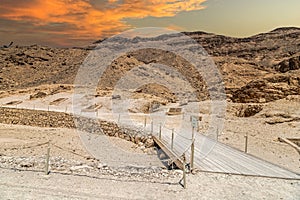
{"x": 172, "y": 142}
{"x": 246, "y": 143}
{"x": 184, "y": 172}
{"x": 192, "y": 148}
{"x": 47, "y": 160}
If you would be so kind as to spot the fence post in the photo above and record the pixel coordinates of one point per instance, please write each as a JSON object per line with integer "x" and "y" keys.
{"x": 47, "y": 160}
{"x": 172, "y": 142}
{"x": 192, "y": 148}
{"x": 246, "y": 143}
{"x": 151, "y": 126}
{"x": 159, "y": 131}
{"x": 184, "y": 172}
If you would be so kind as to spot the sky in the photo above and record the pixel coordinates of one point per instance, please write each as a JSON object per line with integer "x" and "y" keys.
{"x": 70, "y": 23}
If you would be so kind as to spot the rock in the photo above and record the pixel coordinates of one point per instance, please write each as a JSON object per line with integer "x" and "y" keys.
{"x": 137, "y": 139}
{"x": 75, "y": 168}
{"x": 249, "y": 110}
{"x": 149, "y": 143}
{"x": 26, "y": 164}
{"x": 101, "y": 165}
{"x": 183, "y": 103}
{"x": 143, "y": 139}
{"x": 38, "y": 95}
{"x": 127, "y": 137}
{"x": 116, "y": 96}
{"x": 142, "y": 147}
{"x": 140, "y": 144}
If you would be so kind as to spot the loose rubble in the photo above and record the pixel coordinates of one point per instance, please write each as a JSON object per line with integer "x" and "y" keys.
{"x": 90, "y": 167}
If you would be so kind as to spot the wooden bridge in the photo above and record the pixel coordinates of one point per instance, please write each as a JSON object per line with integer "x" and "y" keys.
{"x": 213, "y": 156}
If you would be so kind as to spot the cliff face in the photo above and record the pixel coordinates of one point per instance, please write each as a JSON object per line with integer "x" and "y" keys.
{"x": 260, "y": 68}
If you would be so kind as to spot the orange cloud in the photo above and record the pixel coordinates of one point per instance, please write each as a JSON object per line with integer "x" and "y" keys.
{"x": 90, "y": 19}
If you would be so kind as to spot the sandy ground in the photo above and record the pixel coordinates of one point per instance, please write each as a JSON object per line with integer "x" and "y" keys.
{"x": 26, "y": 184}
{"x": 17, "y": 140}
{"x": 35, "y": 185}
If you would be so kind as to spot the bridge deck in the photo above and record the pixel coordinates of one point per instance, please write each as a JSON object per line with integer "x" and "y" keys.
{"x": 213, "y": 156}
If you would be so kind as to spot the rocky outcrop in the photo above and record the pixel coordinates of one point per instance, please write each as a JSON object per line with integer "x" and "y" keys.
{"x": 38, "y": 95}
{"x": 288, "y": 65}
{"x": 268, "y": 89}
{"x": 249, "y": 110}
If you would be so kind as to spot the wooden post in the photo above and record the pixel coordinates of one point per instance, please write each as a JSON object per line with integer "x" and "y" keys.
{"x": 47, "y": 160}
{"x": 184, "y": 172}
{"x": 152, "y": 126}
{"x": 159, "y": 134}
{"x": 246, "y": 143}
{"x": 192, "y": 148}
{"x": 145, "y": 121}
{"x": 172, "y": 142}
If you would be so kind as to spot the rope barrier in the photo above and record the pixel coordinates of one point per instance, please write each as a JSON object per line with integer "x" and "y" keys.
{"x": 28, "y": 147}
{"x": 70, "y": 151}
{"x": 271, "y": 142}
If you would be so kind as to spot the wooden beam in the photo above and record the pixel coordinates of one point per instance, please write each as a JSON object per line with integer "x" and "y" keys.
{"x": 169, "y": 153}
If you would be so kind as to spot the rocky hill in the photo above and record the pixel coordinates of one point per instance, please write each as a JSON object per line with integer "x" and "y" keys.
{"x": 261, "y": 68}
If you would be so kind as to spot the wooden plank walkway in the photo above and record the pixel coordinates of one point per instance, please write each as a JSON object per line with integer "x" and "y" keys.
{"x": 213, "y": 156}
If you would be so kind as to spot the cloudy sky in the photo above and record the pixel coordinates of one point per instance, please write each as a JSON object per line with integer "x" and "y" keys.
{"x": 67, "y": 23}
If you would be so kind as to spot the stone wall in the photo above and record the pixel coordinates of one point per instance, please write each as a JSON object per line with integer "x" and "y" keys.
{"x": 64, "y": 120}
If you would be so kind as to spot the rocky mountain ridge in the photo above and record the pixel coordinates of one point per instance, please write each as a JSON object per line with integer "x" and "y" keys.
{"x": 261, "y": 68}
